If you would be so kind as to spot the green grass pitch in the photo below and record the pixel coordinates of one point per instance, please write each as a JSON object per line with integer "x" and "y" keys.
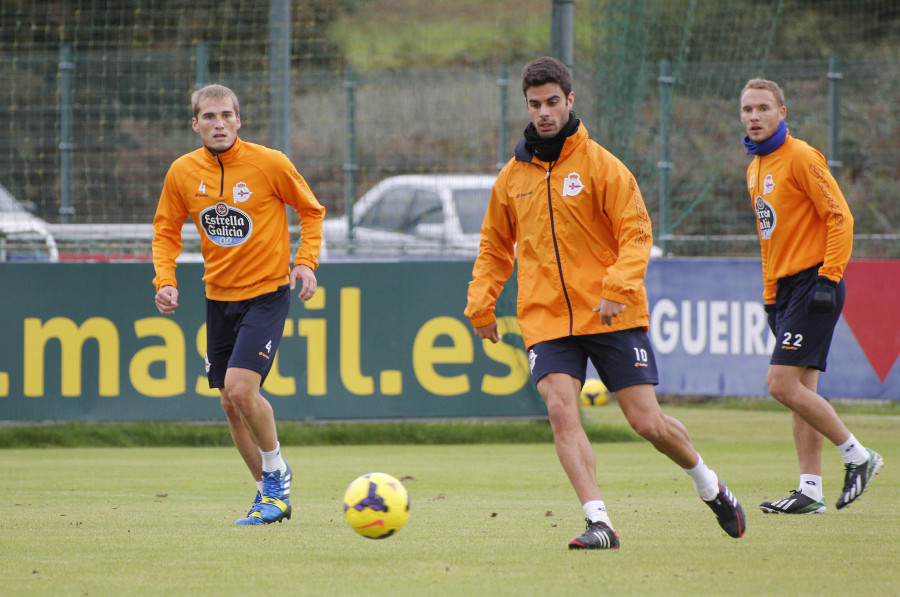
{"x": 485, "y": 520}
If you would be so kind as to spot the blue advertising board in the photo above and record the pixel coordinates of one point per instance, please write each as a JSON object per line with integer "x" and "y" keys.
{"x": 709, "y": 331}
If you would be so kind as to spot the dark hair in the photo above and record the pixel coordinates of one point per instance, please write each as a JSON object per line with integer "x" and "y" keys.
{"x": 768, "y": 85}
{"x": 546, "y": 70}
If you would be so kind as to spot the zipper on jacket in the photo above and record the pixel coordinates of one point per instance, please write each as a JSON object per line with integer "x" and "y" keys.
{"x": 562, "y": 279}
{"x": 222, "y": 181}
{"x": 757, "y": 181}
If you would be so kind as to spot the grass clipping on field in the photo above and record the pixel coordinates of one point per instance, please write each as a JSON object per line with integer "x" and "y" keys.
{"x": 154, "y": 434}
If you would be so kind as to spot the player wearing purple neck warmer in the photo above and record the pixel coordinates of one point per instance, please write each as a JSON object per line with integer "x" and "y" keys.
{"x": 806, "y": 236}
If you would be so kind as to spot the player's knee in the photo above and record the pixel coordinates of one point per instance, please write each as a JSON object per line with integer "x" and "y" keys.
{"x": 238, "y": 396}
{"x": 562, "y": 415}
{"x": 231, "y": 411}
{"x": 780, "y": 388}
{"x": 652, "y": 429}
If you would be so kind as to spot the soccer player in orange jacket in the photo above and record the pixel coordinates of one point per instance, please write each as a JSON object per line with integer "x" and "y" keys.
{"x": 806, "y": 236}
{"x": 236, "y": 193}
{"x": 572, "y": 216}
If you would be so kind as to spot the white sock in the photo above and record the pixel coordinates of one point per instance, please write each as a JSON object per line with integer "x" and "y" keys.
{"x": 852, "y": 451}
{"x": 259, "y": 486}
{"x": 706, "y": 482}
{"x": 811, "y": 486}
{"x": 595, "y": 510}
{"x": 272, "y": 461}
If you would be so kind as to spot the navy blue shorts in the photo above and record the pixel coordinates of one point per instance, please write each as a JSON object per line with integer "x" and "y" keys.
{"x": 803, "y": 339}
{"x": 622, "y": 359}
{"x": 244, "y": 334}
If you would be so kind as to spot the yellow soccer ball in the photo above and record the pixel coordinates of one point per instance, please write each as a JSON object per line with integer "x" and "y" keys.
{"x": 594, "y": 393}
{"x": 376, "y": 505}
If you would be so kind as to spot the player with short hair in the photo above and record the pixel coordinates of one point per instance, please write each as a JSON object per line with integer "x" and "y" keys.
{"x": 571, "y": 215}
{"x": 236, "y": 193}
{"x": 806, "y": 236}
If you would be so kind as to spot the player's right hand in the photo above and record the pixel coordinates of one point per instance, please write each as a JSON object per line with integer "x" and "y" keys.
{"x": 167, "y": 300}
{"x": 489, "y": 332}
{"x": 770, "y": 315}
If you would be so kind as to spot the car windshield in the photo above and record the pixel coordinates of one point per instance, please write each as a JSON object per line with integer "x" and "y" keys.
{"x": 402, "y": 209}
{"x": 390, "y": 212}
{"x": 471, "y": 205}
{"x": 8, "y": 203}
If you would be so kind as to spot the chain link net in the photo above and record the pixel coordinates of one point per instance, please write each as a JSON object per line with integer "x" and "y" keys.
{"x": 435, "y": 89}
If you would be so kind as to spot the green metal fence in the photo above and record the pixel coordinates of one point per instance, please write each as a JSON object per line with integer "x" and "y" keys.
{"x": 96, "y": 99}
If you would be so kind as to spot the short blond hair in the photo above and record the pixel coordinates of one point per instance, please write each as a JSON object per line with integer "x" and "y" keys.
{"x": 765, "y": 84}
{"x": 214, "y": 92}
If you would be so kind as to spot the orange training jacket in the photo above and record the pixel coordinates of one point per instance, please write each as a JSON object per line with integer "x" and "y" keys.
{"x": 237, "y": 200}
{"x": 802, "y": 217}
{"x": 579, "y": 232}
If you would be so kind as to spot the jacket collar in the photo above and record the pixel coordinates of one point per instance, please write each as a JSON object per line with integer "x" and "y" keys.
{"x": 576, "y": 139}
{"x": 229, "y": 155}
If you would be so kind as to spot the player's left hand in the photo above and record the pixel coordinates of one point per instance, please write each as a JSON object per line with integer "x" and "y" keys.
{"x": 608, "y": 310}
{"x": 822, "y": 299}
{"x": 308, "y": 282}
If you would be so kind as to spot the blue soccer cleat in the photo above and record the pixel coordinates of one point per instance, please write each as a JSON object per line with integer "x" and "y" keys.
{"x": 253, "y": 508}
{"x": 274, "y": 504}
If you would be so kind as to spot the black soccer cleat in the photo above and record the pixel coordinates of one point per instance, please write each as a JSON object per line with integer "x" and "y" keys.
{"x": 796, "y": 503}
{"x": 598, "y": 535}
{"x": 728, "y": 512}
{"x": 857, "y": 477}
